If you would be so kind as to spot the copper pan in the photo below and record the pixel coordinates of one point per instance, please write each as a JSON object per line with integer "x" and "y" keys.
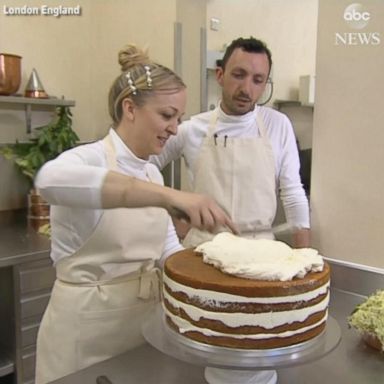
{"x": 10, "y": 73}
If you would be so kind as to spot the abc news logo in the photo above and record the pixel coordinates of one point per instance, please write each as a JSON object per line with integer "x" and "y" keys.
{"x": 357, "y": 18}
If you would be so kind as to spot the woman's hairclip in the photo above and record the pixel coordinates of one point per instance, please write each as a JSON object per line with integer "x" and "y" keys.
{"x": 131, "y": 84}
{"x": 148, "y": 75}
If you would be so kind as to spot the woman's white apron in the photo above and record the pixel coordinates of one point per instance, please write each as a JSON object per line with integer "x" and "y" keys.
{"x": 103, "y": 292}
{"x": 239, "y": 173}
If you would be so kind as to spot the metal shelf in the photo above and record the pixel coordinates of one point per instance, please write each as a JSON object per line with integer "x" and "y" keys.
{"x": 290, "y": 103}
{"x": 6, "y": 366}
{"x": 36, "y": 101}
{"x": 29, "y": 101}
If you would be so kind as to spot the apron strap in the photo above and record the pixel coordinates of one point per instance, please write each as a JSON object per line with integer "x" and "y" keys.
{"x": 261, "y": 125}
{"x": 98, "y": 283}
{"x": 212, "y": 123}
{"x": 149, "y": 282}
{"x": 111, "y": 157}
{"x": 148, "y": 276}
{"x": 111, "y": 152}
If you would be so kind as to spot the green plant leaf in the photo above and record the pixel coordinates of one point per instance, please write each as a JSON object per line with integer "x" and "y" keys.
{"x": 50, "y": 140}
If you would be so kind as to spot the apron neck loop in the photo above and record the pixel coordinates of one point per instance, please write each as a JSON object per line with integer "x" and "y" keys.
{"x": 111, "y": 152}
{"x": 261, "y": 125}
{"x": 213, "y": 123}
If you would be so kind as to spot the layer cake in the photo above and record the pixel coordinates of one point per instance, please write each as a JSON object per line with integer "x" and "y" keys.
{"x": 204, "y": 303}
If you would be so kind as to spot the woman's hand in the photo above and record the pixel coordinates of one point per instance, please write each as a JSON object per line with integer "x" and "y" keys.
{"x": 200, "y": 211}
{"x": 302, "y": 238}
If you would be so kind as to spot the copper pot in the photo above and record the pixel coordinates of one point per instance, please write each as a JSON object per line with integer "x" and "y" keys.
{"x": 10, "y": 73}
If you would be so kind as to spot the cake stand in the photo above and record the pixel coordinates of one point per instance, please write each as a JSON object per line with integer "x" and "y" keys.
{"x": 237, "y": 366}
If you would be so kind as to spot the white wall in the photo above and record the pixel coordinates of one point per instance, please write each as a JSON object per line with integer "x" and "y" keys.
{"x": 192, "y": 16}
{"x": 347, "y": 178}
{"x": 288, "y": 27}
{"x": 76, "y": 56}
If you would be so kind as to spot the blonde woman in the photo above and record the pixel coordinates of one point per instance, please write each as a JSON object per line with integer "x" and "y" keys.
{"x": 111, "y": 225}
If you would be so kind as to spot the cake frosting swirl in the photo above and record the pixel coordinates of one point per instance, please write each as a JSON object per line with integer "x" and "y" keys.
{"x": 259, "y": 259}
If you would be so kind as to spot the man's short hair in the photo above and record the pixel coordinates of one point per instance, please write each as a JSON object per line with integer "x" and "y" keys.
{"x": 248, "y": 45}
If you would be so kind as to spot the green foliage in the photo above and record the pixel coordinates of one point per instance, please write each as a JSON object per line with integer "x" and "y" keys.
{"x": 50, "y": 140}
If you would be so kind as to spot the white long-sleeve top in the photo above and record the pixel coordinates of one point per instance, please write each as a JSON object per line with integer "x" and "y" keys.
{"x": 280, "y": 132}
{"x": 72, "y": 184}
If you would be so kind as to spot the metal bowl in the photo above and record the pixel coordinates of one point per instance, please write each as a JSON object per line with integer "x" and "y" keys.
{"x": 10, "y": 73}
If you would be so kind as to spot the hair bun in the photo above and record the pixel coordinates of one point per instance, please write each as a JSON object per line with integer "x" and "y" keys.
{"x": 131, "y": 56}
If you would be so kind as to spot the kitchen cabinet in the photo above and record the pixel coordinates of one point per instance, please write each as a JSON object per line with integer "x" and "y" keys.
{"x": 26, "y": 280}
{"x": 29, "y": 102}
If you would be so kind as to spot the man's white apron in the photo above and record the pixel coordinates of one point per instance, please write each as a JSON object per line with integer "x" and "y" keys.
{"x": 240, "y": 174}
{"x": 103, "y": 292}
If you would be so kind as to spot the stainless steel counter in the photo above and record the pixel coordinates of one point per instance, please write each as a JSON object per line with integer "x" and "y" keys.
{"x": 18, "y": 242}
{"x": 351, "y": 362}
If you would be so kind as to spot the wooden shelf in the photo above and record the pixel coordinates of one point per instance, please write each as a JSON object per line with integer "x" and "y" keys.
{"x": 29, "y": 101}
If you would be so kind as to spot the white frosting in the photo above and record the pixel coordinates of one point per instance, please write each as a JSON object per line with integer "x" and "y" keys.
{"x": 221, "y": 299}
{"x": 185, "y": 326}
{"x": 266, "y": 320}
{"x": 259, "y": 259}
